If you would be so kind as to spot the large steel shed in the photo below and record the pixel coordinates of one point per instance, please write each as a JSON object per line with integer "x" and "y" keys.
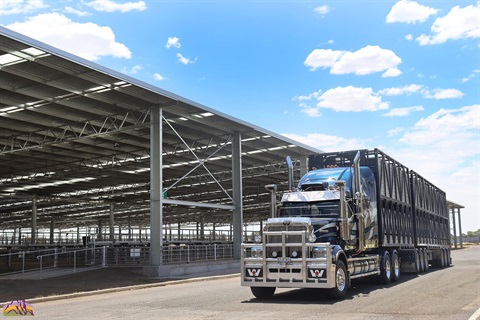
{"x": 80, "y": 142}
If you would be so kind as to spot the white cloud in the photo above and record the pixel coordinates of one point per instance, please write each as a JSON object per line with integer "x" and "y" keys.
{"x": 158, "y": 77}
{"x": 351, "y": 99}
{"x": 134, "y": 70}
{"x": 87, "y": 40}
{"x": 112, "y": 6}
{"x": 367, "y": 60}
{"x": 322, "y": 58}
{"x": 327, "y": 142}
{"x": 20, "y": 6}
{"x": 397, "y": 91}
{"x": 444, "y": 148}
{"x": 310, "y": 111}
{"x": 342, "y": 99}
{"x": 313, "y": 95}
{"x": 409, "y": 12}
{"x": 470, "y": 76}
{"x": 409, "y": 37}
{"x": 392, "y": 72}
{"x": 402, "y": 112}
{"x": 184, "y": 60}
{"x": 395, "y": 131}
{"x": 442, "y": 94}
{"x": 447, "y": 127}
{"x": 459, "y": 23}
{"x": 77, "y": 12}
{"x": 173, "y": 42}
{"x": 322, "y": 10}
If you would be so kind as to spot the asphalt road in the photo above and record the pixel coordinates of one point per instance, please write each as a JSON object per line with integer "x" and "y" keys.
{"x": 451, "y": 293}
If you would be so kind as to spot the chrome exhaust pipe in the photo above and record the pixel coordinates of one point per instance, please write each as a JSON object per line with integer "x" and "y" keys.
{"x": 359, "y": 204}
{"x": 290, "y": 173}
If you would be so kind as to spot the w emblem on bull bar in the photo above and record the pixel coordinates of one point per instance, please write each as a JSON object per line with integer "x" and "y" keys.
{"x": 254, "y": 272}
{"x": 317, "y": 273}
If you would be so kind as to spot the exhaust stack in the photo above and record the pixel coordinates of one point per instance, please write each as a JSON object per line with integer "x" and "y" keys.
{"x": 290, "y": 173}
{"x": 273, "y": 198}
{"x": 359, "y": 204}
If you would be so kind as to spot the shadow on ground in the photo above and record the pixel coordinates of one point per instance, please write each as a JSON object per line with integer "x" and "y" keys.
{"x": 98, "y": 279}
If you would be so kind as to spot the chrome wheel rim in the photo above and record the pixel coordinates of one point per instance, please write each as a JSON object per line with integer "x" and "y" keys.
{"x": 340, "y": 279}
{"x": 388, "y": 268}
{"x": 396, "y": 266}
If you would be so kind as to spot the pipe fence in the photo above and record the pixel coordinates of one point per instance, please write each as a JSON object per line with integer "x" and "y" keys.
{"x": 74, "y": 260}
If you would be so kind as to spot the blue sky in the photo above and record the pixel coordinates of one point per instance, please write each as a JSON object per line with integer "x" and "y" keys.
{"x": 402, "y": 76}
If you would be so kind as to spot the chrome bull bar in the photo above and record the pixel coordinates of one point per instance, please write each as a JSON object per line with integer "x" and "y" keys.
{"x": 286, "y": 263}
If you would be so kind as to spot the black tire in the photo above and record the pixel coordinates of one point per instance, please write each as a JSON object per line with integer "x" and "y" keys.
{"x": 418, "y": 265}
{"x": 385, "y": 269}
{"x": 446, "y": 260}
{"x": 425, "y": 260}
{"x": 436, "y": 261}
{"x": 443, "y": 260}
{"x": 421, "y": 258}
{"x": 395, "y": 266}
{"x": 341, "y": 281}
{"x": 449, "y": 258}
{"x": 263, "y": 293}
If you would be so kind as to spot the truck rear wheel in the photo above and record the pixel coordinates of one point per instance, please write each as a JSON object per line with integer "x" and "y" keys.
{"x": 385, "y": 269}
{"x": 421, "y": 257}
{"x": 395, "y": 266}
{"x": 263, "y": 293}
{"x": 446, "y": 260}
{"x": 425, "y": 259}
{"x": 341, "y": 281}
{"x": 418, "y": 266}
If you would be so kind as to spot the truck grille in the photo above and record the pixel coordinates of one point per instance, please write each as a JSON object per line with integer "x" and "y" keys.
{"x": 280, "y": 243}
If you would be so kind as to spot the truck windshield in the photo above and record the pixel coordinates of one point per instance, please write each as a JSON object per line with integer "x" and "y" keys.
{"x": 326, "y": 177}
{"x": 310, "y": 209}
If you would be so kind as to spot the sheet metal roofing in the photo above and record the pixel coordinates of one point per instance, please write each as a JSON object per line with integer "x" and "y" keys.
{"x": 75, "y": 137}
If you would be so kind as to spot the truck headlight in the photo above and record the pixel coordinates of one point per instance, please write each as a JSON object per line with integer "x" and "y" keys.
{"x": 257, "y": 252}
{"x": 258, "y": 238}
{"x": 312, "y": 237}
{"x": 319, "y": 252}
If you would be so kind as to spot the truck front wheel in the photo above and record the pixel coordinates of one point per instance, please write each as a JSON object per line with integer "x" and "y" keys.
{"x": 263, "y": 293}
{"x": 341, "y": 281}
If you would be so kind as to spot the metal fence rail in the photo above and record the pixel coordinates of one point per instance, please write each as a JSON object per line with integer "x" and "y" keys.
{"x": 19, "y": 261}
{"x": 188, "y": 254}
{"x": 83, "y": 258}
{"x": 74, "y": 260}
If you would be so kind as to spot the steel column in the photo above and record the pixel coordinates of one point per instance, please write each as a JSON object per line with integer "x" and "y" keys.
{"x": 460, "y": 228}
{"x": 156, "y": 187}
{"x": 100, "y": 227}
{"x": 237, "y": 195}
{"x": 454, "y": 229}
{"x": 34, "y": 220}
{"x": 303, "y": 165}
{"x": 111, "y": 221}
{"x": 52, "y": 226}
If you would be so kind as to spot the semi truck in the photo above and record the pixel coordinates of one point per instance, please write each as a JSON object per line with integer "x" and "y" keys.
{"x": 354, "y": 214}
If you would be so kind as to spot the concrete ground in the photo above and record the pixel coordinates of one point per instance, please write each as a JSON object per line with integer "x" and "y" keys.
{"x": 112, "y": 279}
